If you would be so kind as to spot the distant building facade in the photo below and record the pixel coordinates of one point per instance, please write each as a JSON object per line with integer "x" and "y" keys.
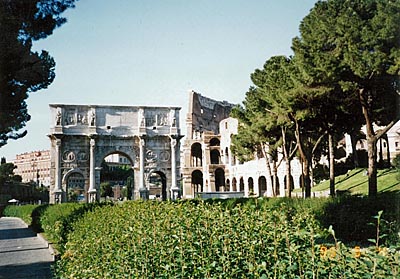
{"x": 34, "y": 167}
{"x": 388, "y": 146}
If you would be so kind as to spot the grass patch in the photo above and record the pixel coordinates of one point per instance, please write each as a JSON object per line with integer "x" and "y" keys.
{"x": 356, "y": 182}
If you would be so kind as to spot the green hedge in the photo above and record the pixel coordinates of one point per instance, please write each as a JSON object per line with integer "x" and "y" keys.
{"x": 209, "y": 240}
{"x": 21, "y": 211}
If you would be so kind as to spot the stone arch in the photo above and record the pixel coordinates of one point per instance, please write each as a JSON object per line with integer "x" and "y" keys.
{"x": 157, "y": 182}
{"x": 74, "y": 183}
{"x": 215, "y": 157}
{"x": 234, "y": 184}
{"x": 241, "y": 184}
{"x": 215, "y": 142}
{"x": 196, "y": 155}
{"x": 262, "y": 184}
{"x": 197, "y": 181}
{"x": 228, "y": 183}
{"x": 83, "y": 135}
{"x": 250, "y": 182}
{"x": 219, "y": 179}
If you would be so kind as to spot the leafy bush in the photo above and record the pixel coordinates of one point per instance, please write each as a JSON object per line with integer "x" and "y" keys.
{"x": 260, "y": 239}
{"x": 56, "y": 221}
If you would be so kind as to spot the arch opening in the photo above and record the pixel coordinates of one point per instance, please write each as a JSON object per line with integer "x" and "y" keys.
{"x": 116, "y": 177}
{"x": 196, "y": 155}
{"x": 197, "y": 182}
{"x": 219, "y": 180}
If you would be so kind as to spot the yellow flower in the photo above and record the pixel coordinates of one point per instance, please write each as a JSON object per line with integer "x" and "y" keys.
{"x": 383, "y": 251}
{"x": 323, "y": 250}
{"x": 357, "y": 251}
{"x": 332, "y": 252}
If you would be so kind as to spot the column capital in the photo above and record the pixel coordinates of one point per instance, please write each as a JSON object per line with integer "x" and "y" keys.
{"x": 58, "y": 142}
{"x": 92, "y": 142}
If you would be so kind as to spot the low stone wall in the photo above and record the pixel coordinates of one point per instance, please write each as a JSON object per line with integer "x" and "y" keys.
{"x": 219, "y": 195}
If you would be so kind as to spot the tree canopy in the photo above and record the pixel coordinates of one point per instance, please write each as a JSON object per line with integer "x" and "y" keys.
{"x": 354, "y": 46}
{"x": 344, "y": 74}
{"x": 23, "y": 71}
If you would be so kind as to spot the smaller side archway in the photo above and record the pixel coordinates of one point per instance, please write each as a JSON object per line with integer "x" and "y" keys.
{"x": 196, "y": 155}
{"x": 214, "y": 142}
{"x": 197, "y": 182}
{"x": 157, "y": 182}
{"x": 234, "y": 184}
{"x": 250, "y": 182}
{"x": 219, "y": 180}
{"x": 215, "y": 157}
{"x": 262, "y": 184}
{"x": 241, "y": 185}
{"x": 74, "y": 183}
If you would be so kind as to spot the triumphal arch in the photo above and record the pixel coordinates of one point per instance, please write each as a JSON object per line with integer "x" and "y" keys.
{"x": 83, "y": 135}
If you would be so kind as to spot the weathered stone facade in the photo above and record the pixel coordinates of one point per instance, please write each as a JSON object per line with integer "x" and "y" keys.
{"x": 209, "y": 165}
{"x": 83, "y": 135}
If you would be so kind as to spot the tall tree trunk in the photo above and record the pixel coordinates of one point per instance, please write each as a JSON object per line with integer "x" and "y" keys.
{"x": 304, "y": 159}
{"x": 331, "y": 166}
{"x": 353, "y": 139}
{"x": 371, "y": 144}
{"x": 307, "y": 180}
{"x": 275, "y": 178}
{"x": 287, "y": 165}
{"x": 372, "y": 167}
{"x": 270, "y": 181}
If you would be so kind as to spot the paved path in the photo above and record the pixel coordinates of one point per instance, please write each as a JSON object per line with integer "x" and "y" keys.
{"x": 22, "y": 253}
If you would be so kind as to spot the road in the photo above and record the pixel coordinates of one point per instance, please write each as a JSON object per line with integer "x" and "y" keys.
{"x": 22, "y": 253}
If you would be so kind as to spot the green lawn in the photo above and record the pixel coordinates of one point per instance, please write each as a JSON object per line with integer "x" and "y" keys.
{"x": 356, "y": 182}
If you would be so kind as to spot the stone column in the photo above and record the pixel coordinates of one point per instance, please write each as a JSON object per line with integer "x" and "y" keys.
{"x": 174, "y": 186}
{"x": 143, "y": 191}
{"x": 57, "y": 179}
{"x": 92, "y": 174}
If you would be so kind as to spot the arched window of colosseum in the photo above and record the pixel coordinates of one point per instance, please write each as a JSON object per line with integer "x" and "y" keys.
{"x": 197, "y": 182}
{"x": 262, "y": 183}
{"x": 219, "y": 180}
{"x": 251, "y": 185}
{"x": 214, "y": 142}
{"x": 241, "y": 185}
{"x": 234, "y": 187}
{"x": 215, "y": 157}
{"x": 196, "y": 155}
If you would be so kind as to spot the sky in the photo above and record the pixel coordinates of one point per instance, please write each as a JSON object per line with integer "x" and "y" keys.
{"x": 153, "y": 52}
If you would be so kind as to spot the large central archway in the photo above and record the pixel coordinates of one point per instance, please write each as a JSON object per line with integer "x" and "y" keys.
{"x": 83, "y": 135}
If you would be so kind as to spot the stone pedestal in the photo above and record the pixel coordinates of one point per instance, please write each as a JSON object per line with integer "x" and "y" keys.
{"x": 175, "y": 193}
{"x": 92, "y": 196}
{"x": 58, "y": 196}
{"x": 144, "y": 193}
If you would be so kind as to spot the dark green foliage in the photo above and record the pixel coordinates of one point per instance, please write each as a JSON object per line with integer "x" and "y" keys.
{"x": 57, "y": 220}
{"x": 23, "y": 71}
{"x": 106, "y": 189}
{"x": 352, "y": 217}
{"x": 353, "y": 47}
{"x": 7, "y": 174}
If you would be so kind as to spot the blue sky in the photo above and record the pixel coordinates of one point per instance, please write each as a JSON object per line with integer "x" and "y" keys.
{"x": 153, "y": 52}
